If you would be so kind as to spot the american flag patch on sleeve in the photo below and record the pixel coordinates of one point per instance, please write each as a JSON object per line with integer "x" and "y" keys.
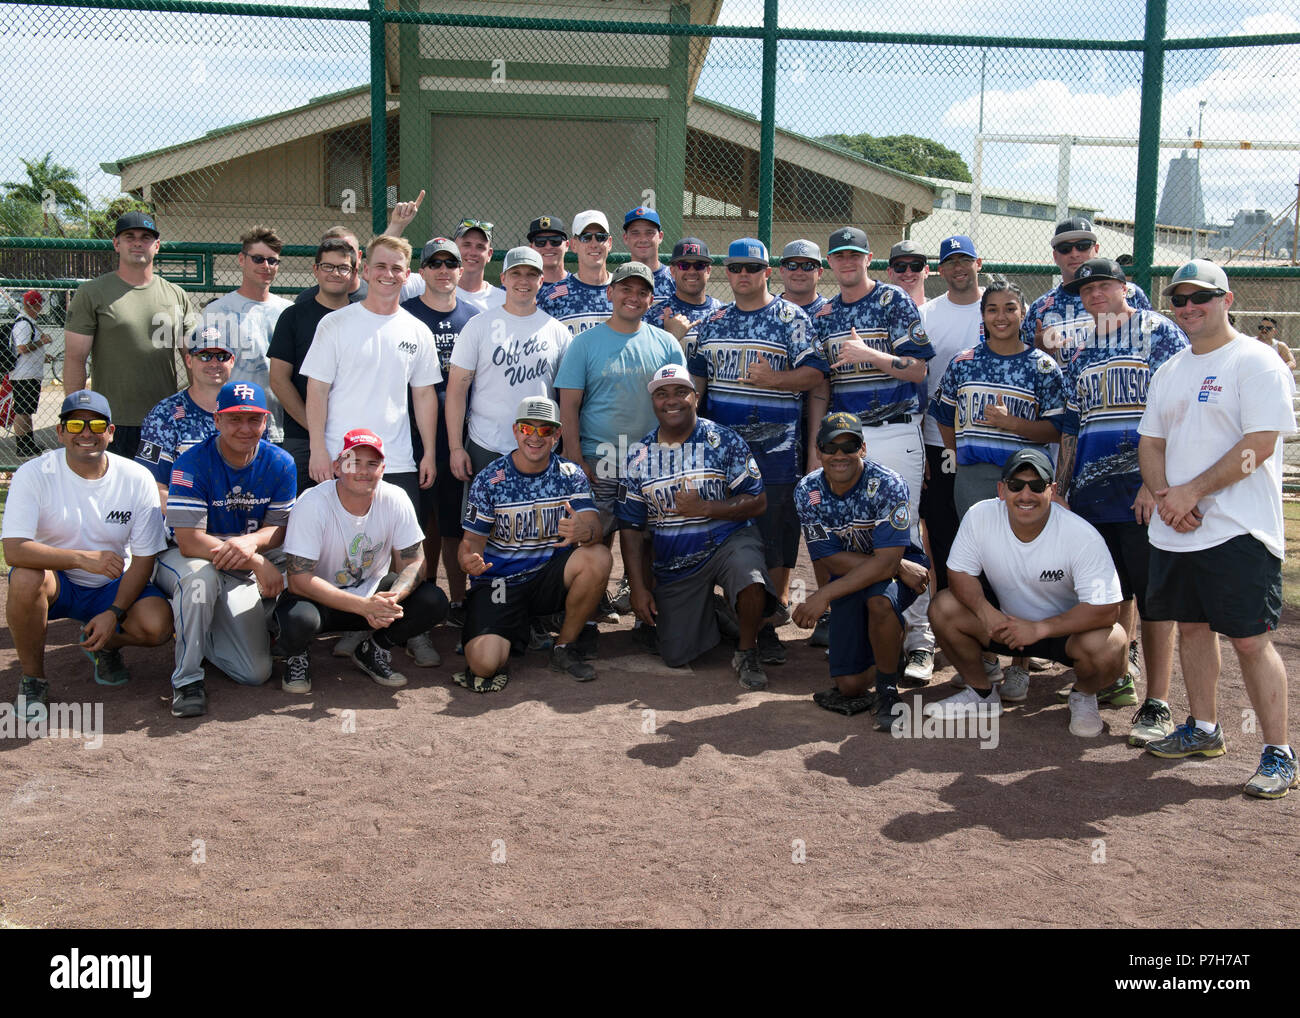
{"x": 182, "y": 479}
{"x": 815, "y": 497}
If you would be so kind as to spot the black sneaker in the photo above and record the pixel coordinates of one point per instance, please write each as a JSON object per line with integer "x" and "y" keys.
{"x": 771, "y": 651}
{"x": 567, "y": 659}
{"x": 539, "y": 636}
{"x": 605, "y": 611}
{"x": 455, "y": 615}
{"x": 33, "y": 700}
{"x": 748, "y": 670}
{"x": 832, "y": 699}
{"x": 623, "y": 597}
{"x": 190, "y": 701}
{"x": 376, "y": 662}
{"x": 884, "y": 709}
{"x": 821, "y": 636}
{"x": 585, "y": 644}
{"x": 647, "y": 636}
{"x": 297, "y": 678}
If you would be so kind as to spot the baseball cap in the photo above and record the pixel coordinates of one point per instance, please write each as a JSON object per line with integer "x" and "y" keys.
{"x": 210, "y": 337}
{"x": 1075, "y": 228}
{"x": 849, "y": 238}
{"x": 592, "y": 216}
{"x": 33, "y": 297}
{"x": 907, "y": 248}
{"x": 958, "y": 245}
{"x": 690, "y": 246}
{"x": 521, "y": 257}
{"x": 237, "y": 397}
{"x": 634, "y": 270}
{"x": 439, "y": 245}
{"x": 363, "y": 436}
{"x": 468, "y": 224}
{"x": 641, "y": 212}
{"x": 85, "y": 399}
{"x": 538, "y": 408}
{"x": 801, "y": 249}
{"x": 837, "y": 424}
{"x": 1202, "y": 274}
{"x": 670, "y": 374}
{"x": 1029, "y": 457}
{"x": 1094, "y": 270}
{"x": 746, "y": 251}
{"x": 136, "y": 221}
{"x": 546, "y": 224}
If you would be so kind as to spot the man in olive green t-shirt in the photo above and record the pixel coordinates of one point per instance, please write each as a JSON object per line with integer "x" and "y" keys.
{"x": 131, "y": 323}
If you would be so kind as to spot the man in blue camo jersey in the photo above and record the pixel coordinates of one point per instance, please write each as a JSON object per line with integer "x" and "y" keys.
{"x": 857, "y": 521}
{"x": 1057, "y": 321}
{"x": 696, "y": 485}
{"x": 690, "y": 265}
{"x": 1107, "y": 378}
{"x": 642, "y": 235}
{"x": 753, "y": 359}
{"x": 580, "y": 300}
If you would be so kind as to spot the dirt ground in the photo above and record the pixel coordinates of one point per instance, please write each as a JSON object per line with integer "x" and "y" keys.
{"x": 650, "y": 797}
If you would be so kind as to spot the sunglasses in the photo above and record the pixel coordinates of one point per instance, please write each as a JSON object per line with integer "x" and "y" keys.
{"x": 849, "y": 446}
{"x": 475, "y": 224}
{"x": 1179, "y": 300}
{"x": 599, "y": 238}
{"x": 908, "y": 266}
{"x": 336, "y": 270}
{"x": 748, "y": 267}
{"x": 801, "y": 266}
{"x": 1037, "y": 485}
{"x": 263, "y": 260}
{"x": 1077, "y": 245}
{"x": 544, "y": 430}
{"x": 214, "y": 355}
{"x": 441, "y": 263}
{"x": 75, "y": 425}
{"x": 548, "y": 242}
{"x": 693, "y": 266}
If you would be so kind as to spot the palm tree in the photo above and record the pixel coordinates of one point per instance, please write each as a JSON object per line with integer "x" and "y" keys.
{"x": 50, "y": 186}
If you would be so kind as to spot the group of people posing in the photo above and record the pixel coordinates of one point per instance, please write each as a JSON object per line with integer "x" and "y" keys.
{"x": 1061, "y": 482}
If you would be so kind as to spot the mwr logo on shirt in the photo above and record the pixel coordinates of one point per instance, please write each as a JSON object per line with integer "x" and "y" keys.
{"x": 406, "y": 346}
{"x": 118, "y": 516}
{"x": 1209, "y": 390}
{"x": 1052, "y": 575}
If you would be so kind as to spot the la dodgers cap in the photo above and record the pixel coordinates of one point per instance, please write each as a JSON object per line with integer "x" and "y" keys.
{"x": 521, "y": 257}
{"x": 959, "y": 244}
{"x": 363, "y": 436}
{"x": 1095, "y": 270}
{"x": 801, "y": 249}
{"x": 85, "y": 399}
{"x": 670, "y": 374}
{"x": 136, "y": 221}
{"x": 746, "y": 251}
{"x": 1035, "y": 459}
{"x": 538, "y": 408}
{"x": 1202, "y": 274}
{"x": 236, "y": 397}
{"x": 837, "y": 424}
{"x": 546, "y": 224}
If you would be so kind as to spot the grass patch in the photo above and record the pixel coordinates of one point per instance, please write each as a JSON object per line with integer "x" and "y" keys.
{"x": 1291, "y": 564}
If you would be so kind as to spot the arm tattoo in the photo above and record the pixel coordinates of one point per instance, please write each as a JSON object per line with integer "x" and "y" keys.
{"x": 406, "y": 554}
{"x": 299, "y": 564}
{"x": 901, "y": 363}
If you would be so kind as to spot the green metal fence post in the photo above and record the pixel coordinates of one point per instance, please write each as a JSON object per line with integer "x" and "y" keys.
{"x": 378, "y": 120}
{"x": 1148, "y": 177}
{"x": 767, "y": 130}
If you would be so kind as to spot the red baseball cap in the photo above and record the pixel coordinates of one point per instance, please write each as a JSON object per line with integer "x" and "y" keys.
{"x": 363, "y": 436}
{"x": 33, "y": 297}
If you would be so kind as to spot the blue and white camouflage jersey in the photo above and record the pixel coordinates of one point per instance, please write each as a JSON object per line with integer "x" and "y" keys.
{"x": 665, "y": 285}
{"x": 1105, "y": 395}
{"x": 520, "y": 514}
{"x": 174, "y": 426}
{"x": 813, "y": 306}
{"x": 886, "y": 320}
{"x": 874, "y": 513}
{"x": 727, "y": 343}
{"x": 1031, "y": 387}
{"x": 717, "y": 463}
{"x": 207, "y": 493}
{"x": 1065, "y": 323}
{"x": 545, "y": 289}
{"x": 674, "y": 305}
{"x": 576, "y": 305}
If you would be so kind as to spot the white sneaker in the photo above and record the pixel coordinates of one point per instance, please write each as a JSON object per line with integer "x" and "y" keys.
{"x": 992, "y": 669}
{"x": 1015, "y": 685}
{"x": 349, "y": 642}
{"x": 1085, "y": 718}
{"x": 967, "y": 703}
{"x": 421, "y": 648}
{"x": 920, "y": 666}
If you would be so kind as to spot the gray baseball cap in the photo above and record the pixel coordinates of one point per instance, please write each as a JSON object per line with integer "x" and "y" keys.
{"x": 519, "y": 257}
{"x": 538, "y": 408}
{"x": 801, "y": 249}
{"x": 905, "y": 248}
{"x": 439, "y": 245}
{"x": 1200, "y": 273}
{"x": 634, "y": 270}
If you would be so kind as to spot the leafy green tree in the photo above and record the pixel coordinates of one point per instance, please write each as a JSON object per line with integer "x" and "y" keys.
{"x": 906, "y": 152}
{"x": 50, "y": 187}
{"x": 103, "y": 221}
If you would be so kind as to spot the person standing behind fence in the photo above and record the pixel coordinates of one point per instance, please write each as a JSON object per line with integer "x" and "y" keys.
{"x": 28, "y": 371}
{"x": 130, "y": 322}
{"x": 247, "y": 317}
{"x": 1266, "y": 334}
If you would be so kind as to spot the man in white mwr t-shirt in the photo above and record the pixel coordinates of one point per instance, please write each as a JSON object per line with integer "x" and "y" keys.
{"x": 360, "y": 364}
{"x": 1211, "y": 454}
{"x": 1052, "y": 592}
{"x": 81, "y": 529}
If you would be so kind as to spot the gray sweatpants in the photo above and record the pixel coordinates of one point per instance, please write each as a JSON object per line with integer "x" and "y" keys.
{"x": 219, "y": 615}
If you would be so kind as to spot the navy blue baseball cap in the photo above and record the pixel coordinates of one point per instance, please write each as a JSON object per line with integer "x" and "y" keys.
{"x": 642, "y": 212}
{"x": 690, "y": 247}
{"x": 236, "y": 397}
{"x": 85, "y": 399}
{"x": 849, "y": 238}
{"x": 136, "y": 221}
{"x": 958, "y": 245}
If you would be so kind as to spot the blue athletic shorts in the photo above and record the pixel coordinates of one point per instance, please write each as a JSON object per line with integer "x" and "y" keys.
{"x": 84, "y": 603}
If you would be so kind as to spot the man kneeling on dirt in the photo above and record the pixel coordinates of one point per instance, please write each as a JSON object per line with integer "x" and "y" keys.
{"x": 532, "y": 546}
{"x": 697, "y": 485}
{"x": 1053, "y": 592}
{"x": 856, "y": 520}
{"x": 354, "y": 552}
{"x": 81, "y": 529}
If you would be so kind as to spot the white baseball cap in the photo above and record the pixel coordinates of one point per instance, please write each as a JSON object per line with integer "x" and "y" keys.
{"x": 584, "y": 219}
{"x": 670, "y": 374}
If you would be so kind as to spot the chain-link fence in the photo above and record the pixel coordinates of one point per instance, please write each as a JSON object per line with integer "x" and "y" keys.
{"x": 1169, "y": 126}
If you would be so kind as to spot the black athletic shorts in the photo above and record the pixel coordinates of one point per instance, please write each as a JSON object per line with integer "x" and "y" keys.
{"x": 27, "y": 394}
{"x": 779, "y": 527}
{"x": 1131, "y": 552}
{"x": 1235, "y": 586}
{"x": 505, "y": 609}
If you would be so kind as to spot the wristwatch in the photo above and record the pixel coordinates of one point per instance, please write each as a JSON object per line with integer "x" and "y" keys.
{"x": 119, "y": 612}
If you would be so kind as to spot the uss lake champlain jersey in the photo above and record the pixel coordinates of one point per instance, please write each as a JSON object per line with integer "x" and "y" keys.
{"x": 207, "y": 493}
